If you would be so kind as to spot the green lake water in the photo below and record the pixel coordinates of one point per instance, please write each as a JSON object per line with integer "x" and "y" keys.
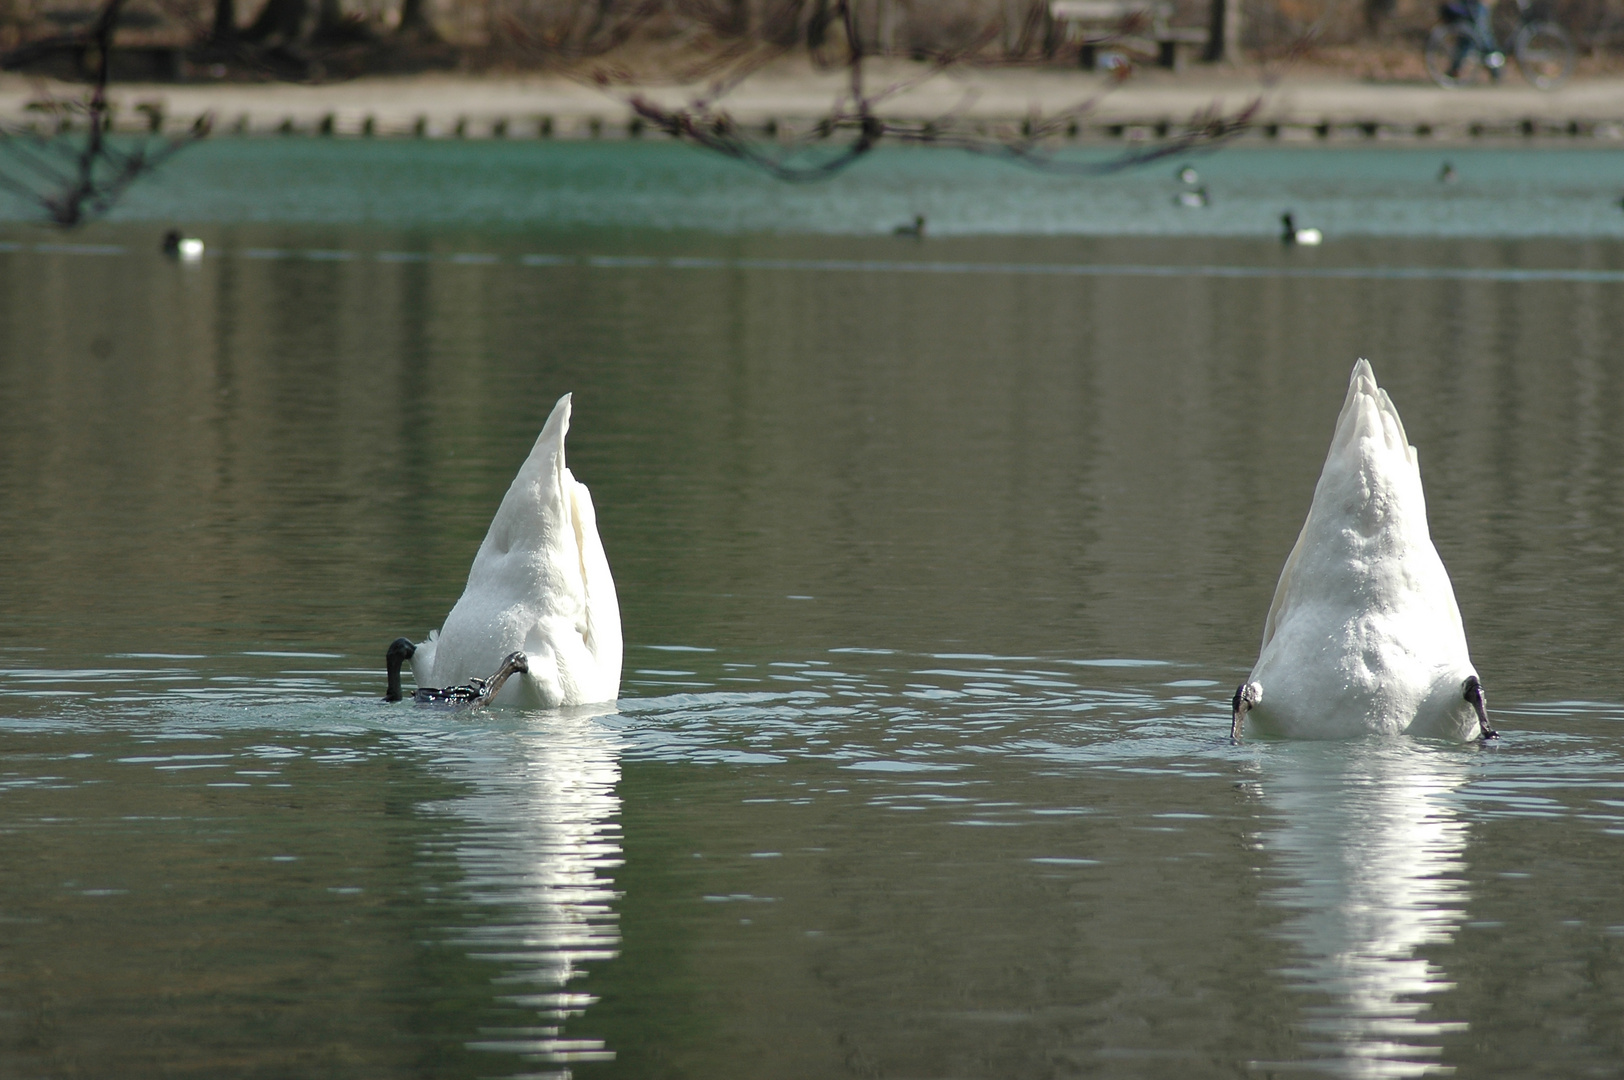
{"x": 938, "y": 562}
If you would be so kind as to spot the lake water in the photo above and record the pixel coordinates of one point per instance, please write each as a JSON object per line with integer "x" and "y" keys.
{"x": 938, "y": 562}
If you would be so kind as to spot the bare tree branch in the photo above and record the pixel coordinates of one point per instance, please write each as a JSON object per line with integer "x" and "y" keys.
{"x": 860, "y": 116}
{"x": 96, "y": 167}
{"x": 80, "y": 169}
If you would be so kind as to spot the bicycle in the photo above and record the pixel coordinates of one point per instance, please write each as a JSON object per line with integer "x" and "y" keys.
{"x": 1463, "y": 48}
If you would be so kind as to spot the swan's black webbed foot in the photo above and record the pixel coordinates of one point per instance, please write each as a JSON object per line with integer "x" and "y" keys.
{"x": 466, "y": 694}
{"x": 1246, "y": 695}
{"x": 1472, "y": 691}
{"x": 400, "y": 651}
{"x": 475, "y": 691}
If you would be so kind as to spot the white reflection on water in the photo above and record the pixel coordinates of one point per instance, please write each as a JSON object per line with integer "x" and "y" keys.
{"x": 538, "y": 854}
{"x": 1372, "y": 847}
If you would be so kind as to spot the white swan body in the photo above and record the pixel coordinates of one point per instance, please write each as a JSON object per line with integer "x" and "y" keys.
{"x": 1364, "y": 635}
{"x": 540, "y": 584}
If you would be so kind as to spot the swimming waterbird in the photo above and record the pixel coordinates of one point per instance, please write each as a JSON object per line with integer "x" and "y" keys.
{"x": 540, "y": 584}
{"x": 1364, "y": 636}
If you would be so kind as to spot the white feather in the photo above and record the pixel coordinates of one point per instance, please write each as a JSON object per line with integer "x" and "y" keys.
{"x": 1364, "y": 634}
{"x": 539, "y": 583}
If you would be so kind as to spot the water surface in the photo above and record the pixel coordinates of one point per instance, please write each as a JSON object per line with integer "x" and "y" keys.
{"x": 936, "y": 580}
{"x": 1506, "y": 191}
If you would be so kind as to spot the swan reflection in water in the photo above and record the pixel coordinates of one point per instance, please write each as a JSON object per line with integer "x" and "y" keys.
{"x": 539, "y": 849}
{"x": 1372, "y": 848}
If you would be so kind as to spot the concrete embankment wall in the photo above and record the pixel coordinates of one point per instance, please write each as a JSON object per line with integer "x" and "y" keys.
{"x": 994, "y": 102}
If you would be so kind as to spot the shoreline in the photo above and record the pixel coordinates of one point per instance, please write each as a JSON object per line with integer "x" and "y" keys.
{"x": 1308, "y": 107}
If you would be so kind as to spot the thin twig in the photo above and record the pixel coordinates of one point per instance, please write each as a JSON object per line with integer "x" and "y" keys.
{"x": 98, "y": 172}
{"x": 854, "y": 123}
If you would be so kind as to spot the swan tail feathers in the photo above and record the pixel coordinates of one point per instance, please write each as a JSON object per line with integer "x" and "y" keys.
{"x": 546, "y": 461}
{"x": 1370, "y": 480}
{"x": 1368, "y": 411}
{"x": 530, "y": 500}
{"x": 549, "y": 446}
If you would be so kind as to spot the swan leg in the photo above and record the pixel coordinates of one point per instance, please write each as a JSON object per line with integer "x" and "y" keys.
{"x": 1246, "y": 695}
{"x": 516, "y": 663}
{"x": 474, "y": 692}
{"x": 1474, "y": 694}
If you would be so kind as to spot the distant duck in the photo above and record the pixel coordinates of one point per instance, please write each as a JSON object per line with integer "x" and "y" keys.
{"x": 1447, "y": 174}
{"x": 1290, "y": 234}
{"x": 1188, "y": 175}
{"x": 540, "y": 584}
{"x": 474, "y": 692}
{"x": 1364, "y": 636}
{"x": 1193, "y": 197}
{"x": 917, "y": 229}
{"x": 184, "y": 248}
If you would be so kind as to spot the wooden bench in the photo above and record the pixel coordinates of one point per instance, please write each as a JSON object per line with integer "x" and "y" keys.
{"x": 1138, "y": 26}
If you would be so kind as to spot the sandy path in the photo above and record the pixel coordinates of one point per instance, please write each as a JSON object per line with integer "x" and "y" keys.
{"x": 528, "y": 106}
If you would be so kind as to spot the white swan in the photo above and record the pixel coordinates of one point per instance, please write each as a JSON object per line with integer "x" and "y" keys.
{"x": 1363, "y": 634}
{"x": 540, "y": 584}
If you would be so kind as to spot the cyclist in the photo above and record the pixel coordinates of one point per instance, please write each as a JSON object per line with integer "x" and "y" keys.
{"x": 1472, "y": 16}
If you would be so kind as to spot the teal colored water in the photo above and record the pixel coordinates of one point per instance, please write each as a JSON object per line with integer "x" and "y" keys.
{"x": 1346, "y": 191}
{"x": 938, "y": 562}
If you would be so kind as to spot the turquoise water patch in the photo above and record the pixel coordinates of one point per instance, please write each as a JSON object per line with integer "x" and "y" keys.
{"x": 1353, "y": 191}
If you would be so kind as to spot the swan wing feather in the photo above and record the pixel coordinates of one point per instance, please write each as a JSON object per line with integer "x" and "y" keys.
{"x": 423, "y": 659}
{"x": 540, "y": 583}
